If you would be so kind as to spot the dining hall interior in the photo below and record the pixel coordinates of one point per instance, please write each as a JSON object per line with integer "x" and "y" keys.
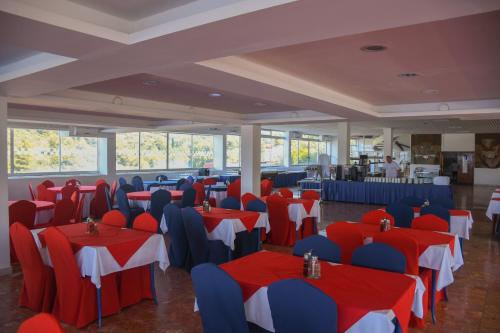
{"x": 227, "y": 166}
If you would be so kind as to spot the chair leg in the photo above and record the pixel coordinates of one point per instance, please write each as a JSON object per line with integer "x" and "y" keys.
{"x": 152, "y": 282}
{"x": 259, "y": 244}
{"x": 229, "y": 254}
{"x": 461, "y": 240}
{"x": 433, "y": 297}
{"x": 445, "y": 294}
{"x": 99, "y": 308}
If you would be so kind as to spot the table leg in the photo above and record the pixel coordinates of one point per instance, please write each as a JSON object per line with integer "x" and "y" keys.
{"x": 152, "y": 282}
{"x": 99, "y": 308}
{"x": 433, "y": 297}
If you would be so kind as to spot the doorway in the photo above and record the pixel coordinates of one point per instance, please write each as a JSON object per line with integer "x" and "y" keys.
{"x": 459, "y": 166}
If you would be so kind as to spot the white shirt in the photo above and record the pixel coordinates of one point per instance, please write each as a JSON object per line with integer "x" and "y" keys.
{"x": 391, "y": 169}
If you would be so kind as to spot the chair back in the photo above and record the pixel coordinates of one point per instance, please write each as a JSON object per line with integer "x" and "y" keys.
{"x": 114, "y": 218}
{"x": 159, "y": 199}
{"x": 196, "y": 235}
{"x": 123, "y": 205}
{"x": 285, "y": 193}
{"x": 188, "y": 197}
{"x": 209, "y": 181}
{"x": 403, "y": 214}
{"x": 190, "y": 180}
{"x": 137, "y": 183}
{"x": 73, "y": 182}
{"x": 279, "y": 220}
{"x": 430, "y": 222}
{"x": 347, "y": 236}
{"x": 266, "y": 187}
{"x": 122, "y": 181}
{"x": 161, "y": 178}
{"x": 404, "y": 243}
{"x": 230, "y": 203}
{"x": 320, "y": 246}
{"x": 379, "y": 256}
{"x": 178, "y": 250}
{"x": 246, "y": 198}
{"x": 234, "y": 189}
{"x": 219, "y": 299}
{"x": 299, "y": 307}
{"x": 412, "y": 201}
{"x": 127, "y": 188}
{"x": 310, "y": 194}
{"x": 22, "y": 211}
{"x": 257, "y": 205}
{"x": 48, "y": 183}
{"x": 437, "y": 210}
{"x": 64, "y": 212}
{"x": 145, "y": 222}
{"x": 100, "y": 181}
{"x": 42, "y": 322}
{"x": 200, "y": 193}
{"x": 32, "y": 192}
{"x": 67, "y": 191}
{"x": 375, "y": 216}
{"x": 186, "y": 185}
{"x": 79, "y": 211}
{"x": 100, "y": 202}
{"x": 112, "y": 193}
{"x": 443, "y": 201}
{"x": 179, "y": 183}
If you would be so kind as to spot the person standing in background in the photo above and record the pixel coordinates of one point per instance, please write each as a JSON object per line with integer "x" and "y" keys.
{"x": 391, "y": 168}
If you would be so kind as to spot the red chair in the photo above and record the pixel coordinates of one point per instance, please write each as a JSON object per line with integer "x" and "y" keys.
{"x": 78, "y": 212}
{"x": 32, "y": 193}
{"x": 77, "y": 298}
{"x": 114, "y": 185}
{"x": 283, "y": 231}
{"x": 310, "y": 194}
{"x": 266, "y": 187}
{"x": 100, "y": 181}
{"x": 22, "y": 211}
{"x": 48, "y": 183}
{"x": 234, "y": 189}
{"x": 285, "y": 193}
{"x": 430, "y": 222}
{"x": 347, "y": 236}
{"x": 42, "y": 322}
{"x": 45, "y": 195}
{"x": 73, "y": 182}
{"x": 374, "y": 217}
{"x": 200, "y": 193}
{"x": 64, "y": 212}
{"x": 209, "y": 181}
{"x": 67, "y": 191}
{"x": 114, "y": 218}
{"x": 99, "y": 203}
{"x": 246, "y": 198}
{"x": 145, "y": 222}
{"x": 38, "y": 289}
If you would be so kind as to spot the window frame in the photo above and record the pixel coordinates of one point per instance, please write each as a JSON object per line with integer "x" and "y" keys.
{"x": 283, "y": 137}
{"x": 309, "y": 138}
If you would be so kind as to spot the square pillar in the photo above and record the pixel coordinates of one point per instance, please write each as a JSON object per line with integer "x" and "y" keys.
{"x": 250, "y": 159}
{"x": 109, "y": 158}
{"x": 344, "y": 143}
{"x": 4, "y": 211}
{"x": 387, "y": 142}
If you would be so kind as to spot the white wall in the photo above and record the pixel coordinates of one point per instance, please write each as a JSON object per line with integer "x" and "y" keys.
{"x": 462, "y": 142}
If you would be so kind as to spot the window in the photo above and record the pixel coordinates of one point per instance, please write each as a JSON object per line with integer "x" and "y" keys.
{"x": 127, "y": 151}
{"x": 307, "y": 151}
{"x": 365, "y": 145}
{"x": 34, "y": 151}
{"x": 190, "y": 151}
{"x": 202, "y": 151}
{"x": 272, "y": 151}
{"x": 232, "y": 151}
{"x": 153, "y": 150}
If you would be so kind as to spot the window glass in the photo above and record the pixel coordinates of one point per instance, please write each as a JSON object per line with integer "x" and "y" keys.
{"x": 36, "y": 151}
{"x": 127, "y": 151}
{"x": 232, "y": 151}
{"x": 272, "y": 151}
{"x": 203, "y": 151}
{"x": 313, "y": 152}
{"x": 294, "y": 151}
{"x": 179, "y": 150}
{"x": 78, "y": 154}
{"x": 303, "y": 152}
{"x": 153, "y": 150}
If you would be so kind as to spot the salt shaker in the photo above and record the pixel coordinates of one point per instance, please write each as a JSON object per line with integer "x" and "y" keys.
{"x": 307, "y": 263}
{"x": 315, "y": 268}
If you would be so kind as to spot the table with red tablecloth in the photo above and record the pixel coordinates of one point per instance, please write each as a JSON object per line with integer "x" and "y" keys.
{"x": 86, "y": 194}
{"x": 44, "y": 211}
{"x": 299, "y": 209}
{"x": 143, "y": 198}
{"x": 367, "y": 299}
{"x": 113, "y": 249}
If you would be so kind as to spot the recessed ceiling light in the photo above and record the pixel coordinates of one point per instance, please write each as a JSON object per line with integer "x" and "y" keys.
{"x": 407, "y": 74}
{"x": 215, "y": 94}
{"x": 259, "y": 104}
{"x": 430, "y": 91}
{"x": 373, "y": 48}
{"x": 151, "y": 83}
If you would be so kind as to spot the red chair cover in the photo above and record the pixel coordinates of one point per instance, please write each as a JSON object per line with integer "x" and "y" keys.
{"x": 22, "y": 211}
{"x": 282, "y": 229}
{"x": 266, "y": 187}
{"x": 234, "y": 189}
{"x": 113, "y": 191}
{"x": 76, "y": 300}
{"x": 100, "y": 181}
{"x": 310, "y": 194}
{"x": 48, "y": 183}
{"x": 209, "y": 181}
{"x": 42, "y": 322}
{"x": 32, "y": 193}
{"x": 285, "y": 193}
{"x": 64, "y": 212}
{"x": 79, "y": 211}
{"x": 44, "y": 194}
{"x": 146, "y": 222}
{"x": 38, "y": 289}
{"x": 246, "y": 198}
{"x": 429, "y": 222}
{"x": 200, "y": 193}
{"x": 73, "y": 182}
{"x": 99, "y": 203}
{"x": 114, "y": 218}
{"x": 347, "y": 236}
{"x": 67, "y": 191}
{"x": 374, "y": 217}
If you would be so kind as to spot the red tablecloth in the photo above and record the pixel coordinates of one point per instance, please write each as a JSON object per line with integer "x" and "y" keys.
{"x": 40, "y": 205}
{"x": 121, "y": 243}
{"x": 146, "y": 195}
{"x": 307, "y": 203}
{"x": 82, "y": 188}
{"x": 216, "y": 215}
{"x": 356, "y": 290}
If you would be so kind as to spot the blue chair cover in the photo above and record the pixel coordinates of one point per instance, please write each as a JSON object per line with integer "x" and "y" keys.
{"x": 257, "y": 205}
{"x": 298, "y": 307}
{"x": 209, "y": 189}
{"x": 413, "y": 201}
{"x": 190, "y": 180}
{"x": 159, "y": 199}
{"x": 127, "y": 188}
{"x": 161, "y": 178}
{"x": 122, "y": 181}
{"x": 137, "y": 183}
{"x": 178, "y": 250}
{"x": 230, "y": 203}
{"x": 402, "y": 213}
{"x": 202, "y": 250}
{"x": 185, "y": 186}
{"x": 445, "y": 202}
{"x": 124, "y": 207}
{"x": 219, "y": 299}
{"x": 179, "y": 183}
{"x": 437, "y": 210}
{"x": 379, "y": 256}
{"x": 321, "y": 246}
{"x": 188, "y": 198}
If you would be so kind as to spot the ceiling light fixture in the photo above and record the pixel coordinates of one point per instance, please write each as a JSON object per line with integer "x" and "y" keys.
{"x": 407, "y": 74}
{"x": 430, "y": 91}
{"x": 260, "y": 104}
{"x": 151, "y": 83}
{"x": 215, "y": 94}
{"x": 373, "y": 48}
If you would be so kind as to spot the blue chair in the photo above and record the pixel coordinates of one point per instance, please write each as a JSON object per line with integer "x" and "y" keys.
{"x": 178, "y": 250}
{"x": 161, "y": 178}
{"x": 190, "y": 180}
{"x": 379, "y": 256}
{"x": 402, "y": 213}
{"x": 230, "y": 203}
{"x": 122, "y": 181}
{"x": 127, "y": 188}
{"x": 321, "y": 246}
{"x": 413, "y": 201}
{"x": 257, "y": 205}
{"x": 437, "y": 210}
{"x": 138, "y": 183}
{"x": 188, "y": 198}
{"x": 179, "y": 183}
{"x": 219, "y": 299}
{"x": 124, "y": 207}
{"x": 443, "y": 201}
{"x": 298, "y": 307}
{"x": 202, "y": 250}
{"x": 185, "y": 186}
{"x": 159, "y": 199}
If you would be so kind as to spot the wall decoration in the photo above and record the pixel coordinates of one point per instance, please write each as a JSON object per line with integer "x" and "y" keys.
{"x": 425, "y": 148}
{"x": 488, "y": 150}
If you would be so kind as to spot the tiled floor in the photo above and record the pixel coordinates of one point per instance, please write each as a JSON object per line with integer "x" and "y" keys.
{"x": 473, "y": 306}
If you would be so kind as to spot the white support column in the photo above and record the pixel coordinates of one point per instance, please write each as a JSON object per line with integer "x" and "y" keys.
{"x": 387, "y": 142}
{"x": 4, "y": 212}
{"x": 110, "y": 157}
{"x": 250, "y": 159}
{"x": 344, "y": 143}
